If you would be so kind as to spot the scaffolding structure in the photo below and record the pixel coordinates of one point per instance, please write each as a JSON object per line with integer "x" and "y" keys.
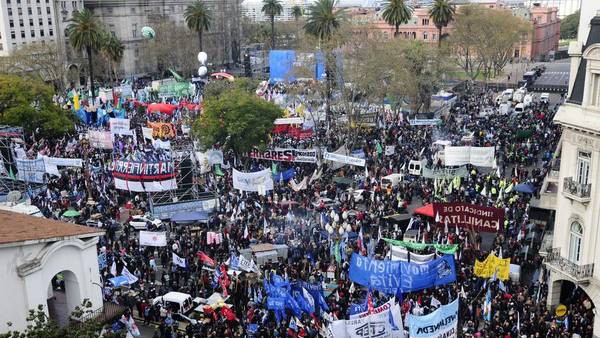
{"x": 187, "y": 178}
{"x": 8, "y": 182}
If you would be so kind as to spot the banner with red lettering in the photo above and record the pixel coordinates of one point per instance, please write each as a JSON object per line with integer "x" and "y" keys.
{"x": 285, "y": 155}
{"x": 468, "y": 216}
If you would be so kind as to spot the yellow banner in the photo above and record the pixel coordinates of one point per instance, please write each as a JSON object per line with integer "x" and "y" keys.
{"x": 492, "y": 263}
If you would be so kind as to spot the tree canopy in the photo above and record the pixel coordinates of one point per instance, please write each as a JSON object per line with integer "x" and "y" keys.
{"x": 396, "y": 13}
{"x": 198, "y": 18}
{"x": 28, "y": 103}
{"x": 569, "y": 25}
{"x": 239, "y": 121}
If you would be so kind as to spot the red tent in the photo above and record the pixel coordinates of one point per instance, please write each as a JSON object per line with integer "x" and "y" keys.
{"x": 162, "y": 107}
{"x": 426, "y": 210}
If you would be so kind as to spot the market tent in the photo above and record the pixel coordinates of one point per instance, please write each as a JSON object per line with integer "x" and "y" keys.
{"x": 526, "y": 188}
{"x": 223, "y": 75}
{"x": 190, "y": 216}
{"x": 162, "y": 107}
{"x": 342, "y": 180}
{"x": 118, "y": 281}
{"x": 71, "y": 213}
{"x": 426, "y": 210}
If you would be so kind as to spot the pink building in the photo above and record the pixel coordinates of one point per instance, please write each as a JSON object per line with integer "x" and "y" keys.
{"x": 544, "y": 37}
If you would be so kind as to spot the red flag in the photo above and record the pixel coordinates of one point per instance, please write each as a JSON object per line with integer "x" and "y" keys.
{"x": 229, "y": 315}
{"x": 370, "y": 302}
{"x": 204, "y": 258}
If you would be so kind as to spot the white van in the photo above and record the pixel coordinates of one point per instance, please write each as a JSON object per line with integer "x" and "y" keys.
{"x": 545, "y": 97}
{"x": 392, "y": 179}
{"x": 508, "y": 94}
{"x": 519, "y": 108}
{"x": 414, "y": 167}
{"x": 505, "y": 109}
{"x": 528, "y": 100}
{"x": 178, "y": 302}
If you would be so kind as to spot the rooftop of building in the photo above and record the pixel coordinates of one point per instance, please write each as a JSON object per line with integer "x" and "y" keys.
{"x": 576, "y": 95}
{"x": 17, "y": 228}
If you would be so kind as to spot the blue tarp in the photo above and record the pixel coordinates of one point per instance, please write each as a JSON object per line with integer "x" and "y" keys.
{"x": 284, "y": 175}
{"x": 526, "y": 188}
{"x": 190, "y": 216}
{"x": 281, "y": 64}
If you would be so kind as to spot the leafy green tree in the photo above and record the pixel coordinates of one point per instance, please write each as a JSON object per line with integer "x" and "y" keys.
{"x": 214, "y": 89}
{"x": 28, "y": 103}
{"x": 396, "y": 13}
{"x": 323, "y": 22}
{"x": 85, "y": 33}
{"x": 442, "y": 12}
{"x": 272, "y": 8}
{"x": 198, "y": 18}
{"x": 238, "y": 120}
{"x": 569, "y": 25}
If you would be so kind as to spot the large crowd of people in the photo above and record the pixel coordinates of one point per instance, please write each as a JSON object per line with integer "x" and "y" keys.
{"x": 299, "y": 218}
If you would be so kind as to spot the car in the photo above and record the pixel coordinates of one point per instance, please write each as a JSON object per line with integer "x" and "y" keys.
{"x": 178, "y": 302}
{"x": 144, "y": 222}
{"x": 519, "y": 108}
{"x": 545, "y": 98}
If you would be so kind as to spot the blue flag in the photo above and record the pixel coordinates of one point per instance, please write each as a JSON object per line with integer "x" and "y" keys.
{"x": 358, "y": 308}
{"x": 102, "y": 261}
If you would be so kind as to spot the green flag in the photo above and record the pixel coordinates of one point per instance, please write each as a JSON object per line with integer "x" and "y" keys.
{"x": 379, "y": 148}
{"x": 274, "y": 168}
{"x": 336, "y": 252}
{"x": 218, "y": 171}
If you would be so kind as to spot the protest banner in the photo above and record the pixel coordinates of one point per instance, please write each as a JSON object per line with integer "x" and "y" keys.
{"x": 31, "y": 170}
{"x": 468, "y": 216}
{"x": 333, "y": 157}
{"x": 168, "y": 210}
{"x": 149, "y": 238}
{"x": 442, "y": 322}
{"x": 399, "y": 253}
{"x": 390, "y": 276}
{"x": 119, "y": 126}
{"x": 256, "y": 181}
{"x": 100, "y": 139}
{"x": 147, "y": 133}
{"x": 373, "y": 325}
{"x": 163, "y": 130}
{"x": 285, "y": 155}
{"x": 443, "y": 248}
{"x": 492, "y": 264}
{"x": 214, "y": 157}
{"x": 383, "y": 307}
{"x": 141, "y": 170}
{"x": 51, "y": 164}
{"x": 424, "y": 122}
{"x": 477, "y": 156}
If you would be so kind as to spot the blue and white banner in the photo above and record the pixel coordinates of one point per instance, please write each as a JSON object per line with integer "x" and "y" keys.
{"x": 260, "y": 181}
{"x": 390, "y": 276}
{"x": 442, "y": 322}
{"x": 275, "y": 303}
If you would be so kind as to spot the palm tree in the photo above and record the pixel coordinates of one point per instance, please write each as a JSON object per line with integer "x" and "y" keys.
{"x": 322, "y": 22}
{"x": 442, "y": 12}
{"x": 198, "y": 18}
{"x": 112, "y": 49}
{"x": 85, "y": 33}
{"x": 272, "y": 8}
{"x": 395, "y": 13}
{"x": 296, "y": 12}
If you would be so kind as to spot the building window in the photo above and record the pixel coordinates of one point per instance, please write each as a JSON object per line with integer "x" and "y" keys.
{"x": 31, "y": 22}
{"x": 20, "y": 11}
{"x": 39, "y": 9}
{"x": 47, "y": 10}
{"x": 40, "y": 22}
{"x": 63, "y": 5}
{"x": 134, "y": 30}
{"x": 32, "y": 33}
{"x": 50, "y": 32}
{"x": 595, "y": 90}
{"x": 583, "y": 166}
{"x": 41, "y": 32}
{"x": 425, "y": 22}
{"x": 23, "y": 34}
{"x": 424, "y": 35}
{"x": 49, "y": 21}
{"x": 575, "y": 242}
{"x": 29, "y": 11}
{"x": 11, "y": 23}
{"x": 21, "y": 23}
{"x": 9, "y": 11}
{"x": 132, "y": 10}
{"x": 13, "y": 35}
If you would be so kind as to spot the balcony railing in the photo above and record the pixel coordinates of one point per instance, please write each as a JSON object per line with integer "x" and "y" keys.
{"x": 580, "y": 192}
{"x": 579, "y": 273}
